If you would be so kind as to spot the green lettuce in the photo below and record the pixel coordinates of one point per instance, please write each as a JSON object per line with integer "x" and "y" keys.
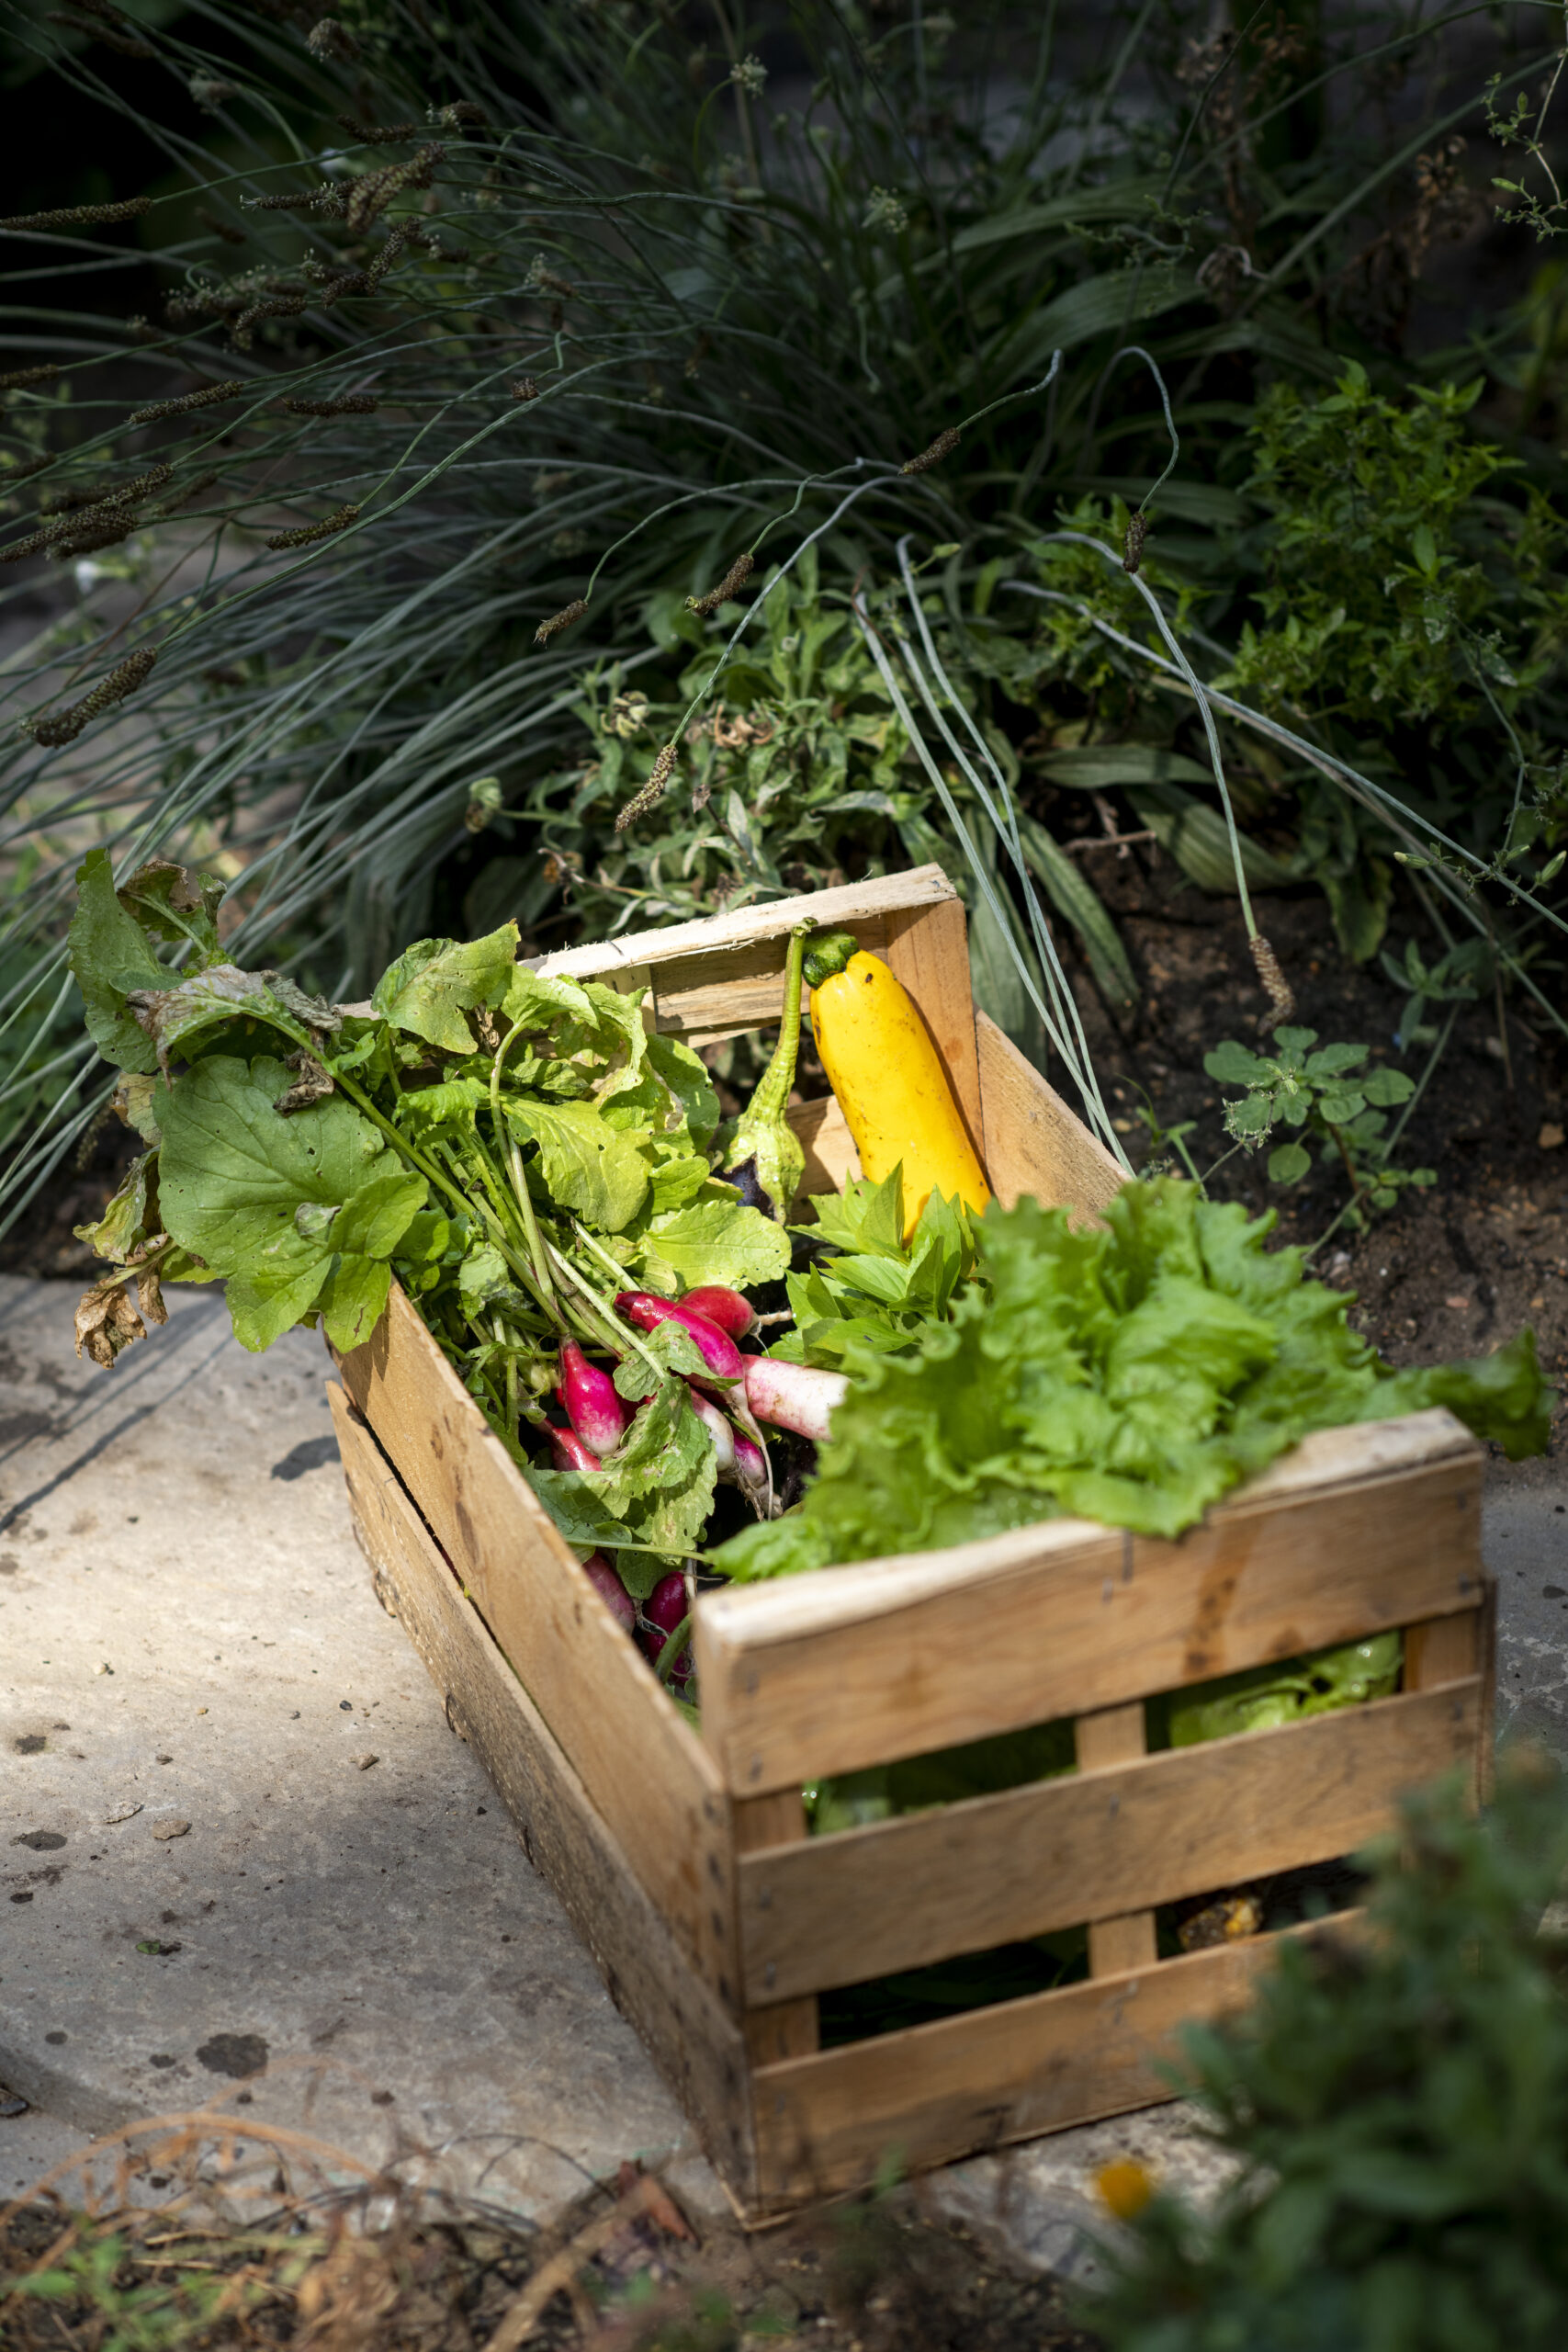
{"x": 1131, "y": 1373}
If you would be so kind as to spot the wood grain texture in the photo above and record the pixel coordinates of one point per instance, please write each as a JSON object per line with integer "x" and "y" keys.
{"x": 991, "y": 2075}
{"x": 695, "y": 2044}
{"x": 846, "y": 909}
{"x": 1098, "y": 1847}
{"x": 927, "y": 950}
{"x": 727, "y": 992}
{"x": 1441, "y": 1649}
{"x": 782, "y": 2028}
{"x": 1126, "y": 1940}
{"x": 831, "y": 1154}
{"x": 1035, "y": 1147}
{"x": 643, "y": 1767}
{"x": 1373, "y": 1528}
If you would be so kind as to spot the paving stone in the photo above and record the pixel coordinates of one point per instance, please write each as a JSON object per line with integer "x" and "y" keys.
{"x": 202, "y": 1897}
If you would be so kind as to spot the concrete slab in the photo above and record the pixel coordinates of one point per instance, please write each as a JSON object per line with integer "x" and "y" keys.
{"x": 357, "y": 1950}
{"x": 207, "y": 1887}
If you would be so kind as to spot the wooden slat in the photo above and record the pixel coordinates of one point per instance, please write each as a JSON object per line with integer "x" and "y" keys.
{"x": 831, "y": 1154}
{"x": 992, "y": 2075}
{"x": 1441, "y": 1649}
{"x": 1094, "y": 1848}
{"x": 845, "y": 909}
{"x": 1034, "y": 1145}
{"x": 643, "y": 1767}
{"x": 1118, "y": 1940}
{"x": 1370, "y": 1527}
{"x": 729, "y": 990}
{"x": 696, "y": 2045}
{"x": 782, "y": 2029}
{"x": 927, "y": 950}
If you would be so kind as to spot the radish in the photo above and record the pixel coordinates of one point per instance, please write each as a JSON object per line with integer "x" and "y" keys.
{"x": 611, "y": 1590}
{"x": 793, "y": 1396}
{"x": 751, "y": 1474}
{"x": 719, "y": 1351}
{"x": 664, "y": 1612}
{"x": 727, "y": 1309}
{"x": 724, "y": 1438}
{"x": 568, "y": 1450}
{"x": 588, "y": 1399}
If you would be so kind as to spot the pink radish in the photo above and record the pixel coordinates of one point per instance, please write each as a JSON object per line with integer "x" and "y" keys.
{"x": 793, "y": 1396}
{"x": 611, "y": 1590}
{"x": 750, "y": 1468}
{"x": 718, "y": 1428}
{"x": 588, "y": 1398}
{"x": 663, "y": 1611}
{"x": 718, "y": 1350}
{"x": 727, "y": 1309}
{"x": 569, "y": 1452}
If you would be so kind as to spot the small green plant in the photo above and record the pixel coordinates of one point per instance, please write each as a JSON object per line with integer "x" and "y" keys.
{"x": 1395, "y": 593}
{"x": 1398, "y": 2103}
{"x": 1457, "y": 979}
{"x": 1327, "y": 1097}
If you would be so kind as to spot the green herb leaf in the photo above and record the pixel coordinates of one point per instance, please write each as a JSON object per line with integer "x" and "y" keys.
{"x": 238, "y": 1183}
{"x": 715, "y": 1239}
{"x": 433, "y": 983}
{"x": 109, "y": 955}
{"x": 586, "y": 1164}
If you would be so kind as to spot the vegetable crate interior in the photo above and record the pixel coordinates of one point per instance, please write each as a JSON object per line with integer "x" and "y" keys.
{"x": 726, "y": 1933}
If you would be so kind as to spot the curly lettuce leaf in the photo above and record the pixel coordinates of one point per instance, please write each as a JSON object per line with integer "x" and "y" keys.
{"x": 1131, "y": 1374}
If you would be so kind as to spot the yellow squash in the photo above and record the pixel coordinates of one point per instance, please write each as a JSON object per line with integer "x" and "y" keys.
{"x": 892, "y": 1087}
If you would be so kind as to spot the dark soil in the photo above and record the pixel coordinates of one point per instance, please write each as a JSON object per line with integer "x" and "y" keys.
{"x": 1452, "y": 1269}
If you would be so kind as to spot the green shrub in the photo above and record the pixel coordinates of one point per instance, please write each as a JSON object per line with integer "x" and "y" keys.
{"x": 1399, "y": 2106}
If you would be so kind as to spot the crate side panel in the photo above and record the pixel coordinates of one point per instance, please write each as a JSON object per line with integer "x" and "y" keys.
{"x": 1062, "y": 1620}
{"x": 695, "y": 2044}
{"x": 1035, "y": 1145}
{"x": 977, "y": 2081}
{"x": 1125, "y": 1838}
{"x": 643, "y": 1767}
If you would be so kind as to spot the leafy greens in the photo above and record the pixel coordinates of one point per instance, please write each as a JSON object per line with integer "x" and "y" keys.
{"x": 1133, "y": 1373}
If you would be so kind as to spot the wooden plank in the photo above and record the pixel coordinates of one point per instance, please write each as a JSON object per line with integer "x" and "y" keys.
{"x": 847, "y": 908}
{"x": 693, "y": 2041}
{"x": 782, "y": 2029}
{"x": 727, "y": 992}
{"x": 1123, "y": 1941}
{"x": 1441, "y": 1649}
{"x": 992, "y": 2075}
{"x": 1373, "y": 1528}
{"x": 927, "y": 950}
{"x": 1034, "y": 1145}
{"x": 1116, "y": 1840}
{"x": 831, "y": 1154}
{"x": 643, "y": 1767}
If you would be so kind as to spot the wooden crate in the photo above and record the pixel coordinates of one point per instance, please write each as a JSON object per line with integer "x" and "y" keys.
{"x": 684, "y": 1858}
